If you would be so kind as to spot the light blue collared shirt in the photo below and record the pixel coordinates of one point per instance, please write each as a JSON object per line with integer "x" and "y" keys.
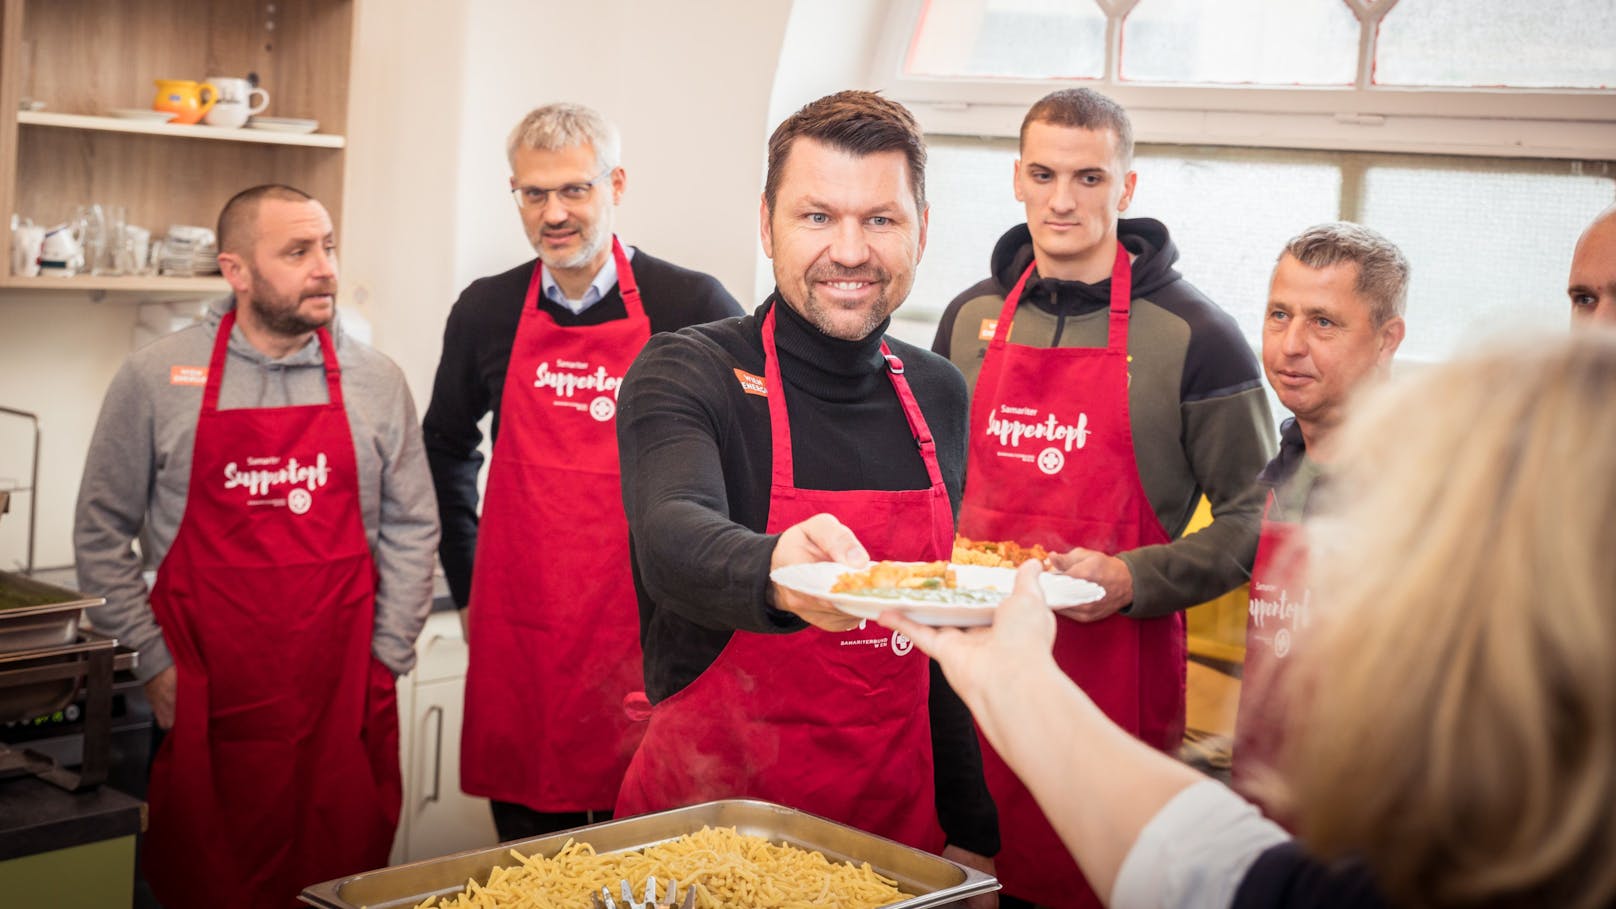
{"x": 605, "y": 280}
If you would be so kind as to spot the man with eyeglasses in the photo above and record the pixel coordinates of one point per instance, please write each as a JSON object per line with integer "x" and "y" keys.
{"x": 544, "y": 571}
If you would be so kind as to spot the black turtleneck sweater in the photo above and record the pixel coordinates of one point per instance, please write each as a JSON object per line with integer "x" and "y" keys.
{"x": 696, "y": 459}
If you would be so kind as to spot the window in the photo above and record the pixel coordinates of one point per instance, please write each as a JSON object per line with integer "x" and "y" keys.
{"x": 1489, "y": 239}
{"x": 1473, "y": 77}
{"x": 1257, "y": 119}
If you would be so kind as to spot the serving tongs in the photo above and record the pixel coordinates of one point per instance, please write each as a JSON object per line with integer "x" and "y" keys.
{"x": 603, "y": 900}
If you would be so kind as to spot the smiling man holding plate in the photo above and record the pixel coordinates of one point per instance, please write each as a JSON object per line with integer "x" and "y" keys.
{"x": 800, "y": 434}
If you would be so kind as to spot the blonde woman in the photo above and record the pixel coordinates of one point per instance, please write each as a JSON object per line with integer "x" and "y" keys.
{"x": 1459, "y": 742}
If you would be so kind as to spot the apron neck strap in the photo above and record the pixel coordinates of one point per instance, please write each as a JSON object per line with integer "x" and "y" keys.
{"x": 911, "y": 412}
{"x": 775, "y": 388}
{"x": 782, "y": 473}
{"x": 221, "y": 346}
{"x": 1121, "y": 302}
{"x": 627, "y": 286}
{"x": 1121, "y": 299}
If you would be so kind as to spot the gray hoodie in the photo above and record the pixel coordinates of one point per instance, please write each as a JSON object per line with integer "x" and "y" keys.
{"x": 137, "y": 475}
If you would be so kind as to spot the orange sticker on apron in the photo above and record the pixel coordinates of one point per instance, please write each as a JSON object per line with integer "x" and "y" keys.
{"x": 989, "y": 326}
{"x": 188, "y": 375}
{"x": 752, "y": 385}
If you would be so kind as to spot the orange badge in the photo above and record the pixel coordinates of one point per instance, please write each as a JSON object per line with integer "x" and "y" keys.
{"x": 989, "y": 326}
{"x": 188, "y": 375}
{"x": 752, "y": 385}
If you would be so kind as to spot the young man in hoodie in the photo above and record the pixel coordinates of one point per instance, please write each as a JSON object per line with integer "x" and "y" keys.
{"x": 1108, "y": 395}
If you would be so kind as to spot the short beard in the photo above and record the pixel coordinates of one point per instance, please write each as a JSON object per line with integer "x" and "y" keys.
{"x": 821, "y": 316}
{"x": 594, "y": 240}
{"x": 279, "y": 315}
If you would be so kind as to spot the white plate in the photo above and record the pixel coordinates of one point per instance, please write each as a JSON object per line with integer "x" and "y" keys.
{"x": 138, "y": 113}
{"x": 284, "y": 124}
{"x": 816, "y": 578}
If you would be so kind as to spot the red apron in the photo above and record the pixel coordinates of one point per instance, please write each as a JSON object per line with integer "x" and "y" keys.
{"x": 831, "y": 723}
{"x": 282, "y": 767}
{"x": 1052, "y": 463}
{"x": 555, "y": 634}
{"x": 1280, "y": 610}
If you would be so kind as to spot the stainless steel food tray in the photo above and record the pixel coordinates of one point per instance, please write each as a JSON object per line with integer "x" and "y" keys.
{"x": 938, "y": 881}
{"x": 35, "y": 615}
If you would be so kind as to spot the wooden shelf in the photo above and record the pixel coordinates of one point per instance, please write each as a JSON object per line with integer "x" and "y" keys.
{"x": 152, "y": 128}
{"x": 133, "y": 285}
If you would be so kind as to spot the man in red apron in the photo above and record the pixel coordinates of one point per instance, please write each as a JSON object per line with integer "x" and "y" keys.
{"x": 1334, "y": 320}
{"x": 1109, "y": 395}
{"x": 1592, "y": 287}
{"x": 801, "y": 433}
{"x": 544, "y": 346}
{"x": 294, "y": 572}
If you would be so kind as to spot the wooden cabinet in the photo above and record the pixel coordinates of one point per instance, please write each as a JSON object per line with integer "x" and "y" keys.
{"x": 89, "y": 57}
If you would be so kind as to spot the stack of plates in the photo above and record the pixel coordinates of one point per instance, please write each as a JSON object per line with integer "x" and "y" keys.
{"x": 284, "y": 124}
{"x": 135, "y": 113}
{"x": 188, "y": 252}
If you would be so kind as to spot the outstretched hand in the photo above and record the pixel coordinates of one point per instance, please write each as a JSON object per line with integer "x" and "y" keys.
{"x": 821, "y": 538}
{"x": 1110, "y": 572}
{"x": 1023, "y": 632}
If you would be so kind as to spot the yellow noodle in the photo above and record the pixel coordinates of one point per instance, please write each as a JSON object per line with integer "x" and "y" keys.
{"x": 729, "y": 870}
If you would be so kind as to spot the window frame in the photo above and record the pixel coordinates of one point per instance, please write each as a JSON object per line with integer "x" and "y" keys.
{"x": 1500, "y": 122}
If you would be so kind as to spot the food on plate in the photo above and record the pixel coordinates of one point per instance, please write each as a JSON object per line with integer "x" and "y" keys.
{"x": 995, "y": 554}
{"x": 928, "y": 582}
{"x": 896, "y": 576}
{"x": 729, "y": 870}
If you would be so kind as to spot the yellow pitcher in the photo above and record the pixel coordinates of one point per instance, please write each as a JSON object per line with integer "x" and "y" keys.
{"x": 188, "y": 100}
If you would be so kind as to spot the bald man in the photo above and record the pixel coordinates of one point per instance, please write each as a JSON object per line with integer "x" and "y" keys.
{"x": 1592, "y": 287}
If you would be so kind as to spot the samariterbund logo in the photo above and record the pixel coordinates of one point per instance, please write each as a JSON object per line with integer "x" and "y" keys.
{"x": 1006, "y": 425}
{"x": 262, "y": 477}
{"x": 576, "y": 378}
{"x": 900, "y": 645}
{"x": 1271, "y": 601}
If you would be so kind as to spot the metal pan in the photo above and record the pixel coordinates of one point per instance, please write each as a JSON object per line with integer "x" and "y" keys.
{"x": 34, "y": 615}
{"x": 938, "y": 881}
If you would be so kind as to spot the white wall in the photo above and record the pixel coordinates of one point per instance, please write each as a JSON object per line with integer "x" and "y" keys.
{"x": 57, "y": 354}
{"x": 688, "y": 85}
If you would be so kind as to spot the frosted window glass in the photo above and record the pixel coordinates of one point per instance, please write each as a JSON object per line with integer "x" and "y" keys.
{"x": 1230, "y": 217}
{"x": 1300, "y": 42}
{"x": 1489, "y": 239}
{"x": 1489, "y": 250}
{"x": 1541, "y": 43}
{"x": 968, "y": 182}
{"x": 1020, "y": 38}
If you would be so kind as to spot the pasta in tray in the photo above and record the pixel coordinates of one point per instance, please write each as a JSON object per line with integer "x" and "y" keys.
{"x": 729, "y": 870}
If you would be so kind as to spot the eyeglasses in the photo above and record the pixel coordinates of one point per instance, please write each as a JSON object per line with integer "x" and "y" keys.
{"x": 571, "y": 193}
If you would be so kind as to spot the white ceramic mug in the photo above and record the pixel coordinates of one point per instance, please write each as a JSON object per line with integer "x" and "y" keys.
{"x": 27, "y": 239}
{"x": 235, "y": 102}
{"x": 62, "y": 252}
{"x": 227, "y": 115}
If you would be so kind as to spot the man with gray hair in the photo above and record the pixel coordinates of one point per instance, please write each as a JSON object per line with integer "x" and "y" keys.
{"x": 545, "y": 570}
{"x": 1333, "y": 323}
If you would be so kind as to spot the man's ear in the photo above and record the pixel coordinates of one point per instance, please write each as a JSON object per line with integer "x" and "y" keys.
{"x": 233, "y": 268}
